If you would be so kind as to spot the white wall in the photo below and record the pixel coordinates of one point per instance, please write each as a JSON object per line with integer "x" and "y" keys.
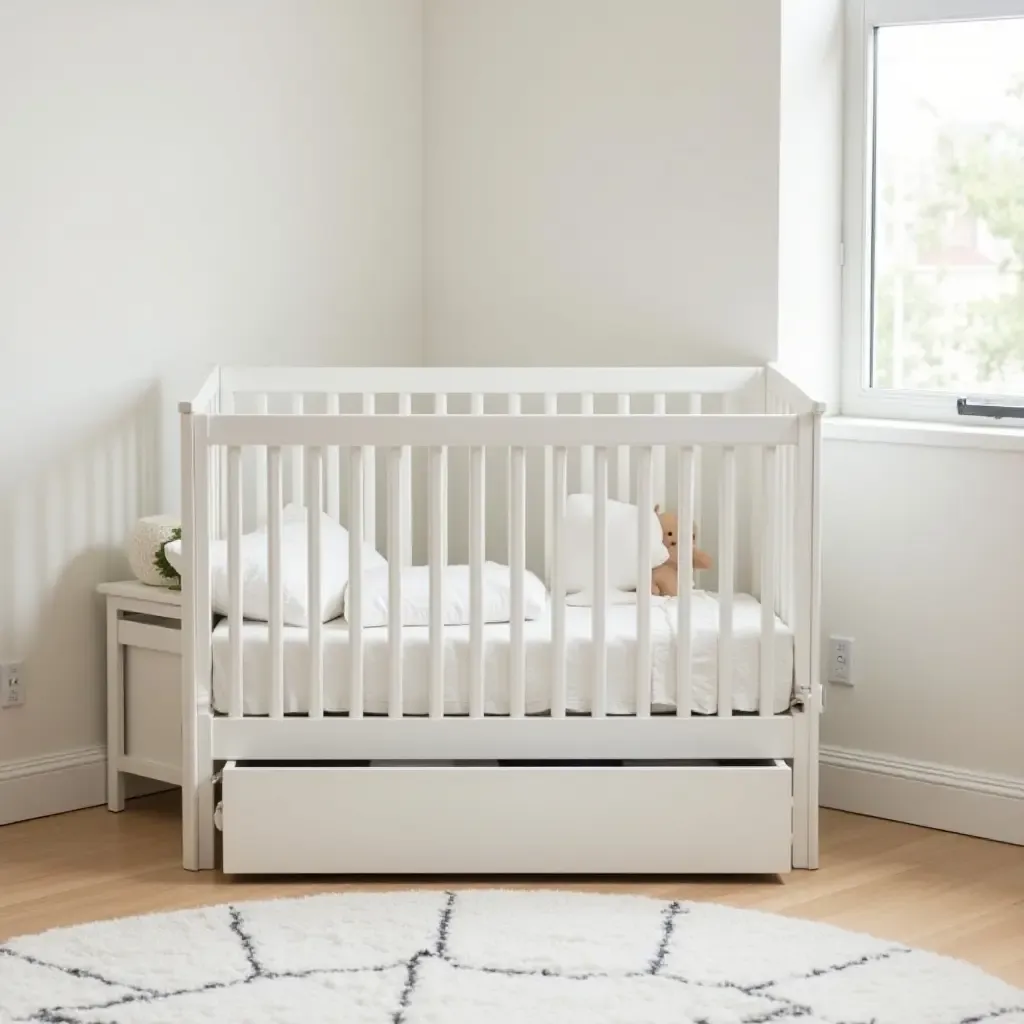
{"x": 810, "y": 194}
{"x": 181, "y": 183}
{"x": 660, "y": 181}
{"x": 923, "y": 567}
{"x": 611, "y": 182}
{"x": 601, "y": 181}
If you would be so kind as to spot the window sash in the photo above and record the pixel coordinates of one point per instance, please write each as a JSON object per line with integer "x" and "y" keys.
{"x": 857, "y": 398}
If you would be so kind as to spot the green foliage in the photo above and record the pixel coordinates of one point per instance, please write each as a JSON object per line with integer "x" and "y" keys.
{"x": 164, "y": 567}
{"x": 978, "y": 174}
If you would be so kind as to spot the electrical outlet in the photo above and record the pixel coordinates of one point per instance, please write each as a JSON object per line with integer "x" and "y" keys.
{"x": 840, "y": 660}
{"x": 12, "y": 689}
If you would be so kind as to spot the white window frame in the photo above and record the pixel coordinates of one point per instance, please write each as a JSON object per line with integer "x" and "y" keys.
{"x": 862, "y": 18}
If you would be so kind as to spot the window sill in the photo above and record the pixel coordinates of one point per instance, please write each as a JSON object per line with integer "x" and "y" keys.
{"x": 917, "y": 432}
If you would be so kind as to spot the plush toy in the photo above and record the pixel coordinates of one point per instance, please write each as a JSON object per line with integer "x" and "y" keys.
{"x": 665, "y": 578}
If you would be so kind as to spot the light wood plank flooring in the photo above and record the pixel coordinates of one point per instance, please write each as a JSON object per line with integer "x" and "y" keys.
{"x": 959, "y": 896}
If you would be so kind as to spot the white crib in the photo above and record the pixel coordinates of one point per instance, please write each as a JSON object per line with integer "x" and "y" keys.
{"x": 659, "y": 736}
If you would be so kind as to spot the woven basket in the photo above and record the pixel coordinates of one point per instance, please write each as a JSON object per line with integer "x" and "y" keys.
{"x": 145, "y": 546}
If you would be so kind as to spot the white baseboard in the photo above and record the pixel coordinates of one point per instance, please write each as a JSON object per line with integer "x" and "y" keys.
{"x": 917, "y": 792}
{"x": 922, "y": 793}
{"x": 55, "y": 783}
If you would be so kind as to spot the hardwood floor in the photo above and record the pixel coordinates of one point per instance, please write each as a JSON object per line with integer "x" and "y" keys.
{"x": 948, "y": 893}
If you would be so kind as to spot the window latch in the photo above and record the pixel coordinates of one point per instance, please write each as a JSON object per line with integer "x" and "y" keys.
{"x": 993, "y": 410}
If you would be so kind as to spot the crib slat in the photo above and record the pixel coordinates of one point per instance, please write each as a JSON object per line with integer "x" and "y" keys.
{"x": 684, "y": 604}
{"x": 550, "y": 409}
{"x": 787, "y": 523}
{"x": 369, "y": 481}
{"x": 262, "y": 407}
{"x": 355, "y": 583}
{"x": 216, "y": 487}
{"x": 441, "y": 409}
{"x": 333, "y": 508}
{"x": 787, "y": 527}
{"x": 622, "y": 470}
{"x": 276, "y": 582}
{"x": 515, "y": 408}
{"x": 643, "y": 589}
{"x": 477, "y": 550}
{"x": 298, "y": 404}
{"x": 314, "y": 565}
{"x": 226, "y": 407}
{"x": 659, "y": 457}
{"x": 558, "y": 583}
{"x": 768, "y": 513}
{"x": 726, "y": 575}
{"x": 476, "y": 579}
{"x": 395, "y": 527}
{"x": 599, "y": 609}
{"x": 698, "y": 515}
{"x": 780, "y": 492}
{"x": 517, "y": 566}
{"x": 784, "y": 534}
{"x": 785, "y": 516}
{"x": 587, "y": 451}
{"x": 234, "y": 516}
{"x": 405, "y": 409}
{"x": 780, "y": 554}
{"x": 438, "y": 518}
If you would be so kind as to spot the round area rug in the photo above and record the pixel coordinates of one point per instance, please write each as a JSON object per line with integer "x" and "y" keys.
{"x": 484, "y": 957}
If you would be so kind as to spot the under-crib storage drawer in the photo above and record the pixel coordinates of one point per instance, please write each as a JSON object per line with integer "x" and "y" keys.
{"x": 477, "y": 819}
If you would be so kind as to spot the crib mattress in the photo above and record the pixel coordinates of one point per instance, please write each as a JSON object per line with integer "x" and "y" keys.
{"x": 622, "y": 645}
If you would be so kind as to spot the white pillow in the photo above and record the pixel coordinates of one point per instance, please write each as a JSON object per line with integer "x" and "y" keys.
{"x": 256, "y": 574}
{"x": 455, "y": 609}
{"x": 623, "y": 539}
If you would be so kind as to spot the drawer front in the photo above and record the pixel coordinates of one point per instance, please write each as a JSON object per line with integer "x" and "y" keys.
{"x": 663, "y": 819}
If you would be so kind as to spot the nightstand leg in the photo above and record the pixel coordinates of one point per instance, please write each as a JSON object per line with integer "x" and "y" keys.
{"x": 115, "y": 712}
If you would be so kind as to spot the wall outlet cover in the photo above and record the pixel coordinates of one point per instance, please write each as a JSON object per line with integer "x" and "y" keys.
{"x": 12, "y": 688}
{"x": 840, "y": 660}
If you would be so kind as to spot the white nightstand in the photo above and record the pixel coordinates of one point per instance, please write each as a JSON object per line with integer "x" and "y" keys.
{"x": 143, "y": 685}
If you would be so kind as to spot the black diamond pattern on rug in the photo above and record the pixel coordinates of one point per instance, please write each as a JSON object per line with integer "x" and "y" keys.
{"x": 434, "y": 972}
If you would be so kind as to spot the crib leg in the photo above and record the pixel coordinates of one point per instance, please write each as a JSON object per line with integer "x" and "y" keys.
{"x": 189, "y": 823}
{"x": 805, "y": 789}
{"x": 205, "y": 792}
{"x": 197, "y": 804}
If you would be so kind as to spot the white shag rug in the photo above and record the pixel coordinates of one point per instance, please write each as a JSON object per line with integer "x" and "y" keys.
{"x": 484, "y": 957}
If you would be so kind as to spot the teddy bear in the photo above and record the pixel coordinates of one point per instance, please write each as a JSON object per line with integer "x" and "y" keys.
{"x": 665, "y": 577}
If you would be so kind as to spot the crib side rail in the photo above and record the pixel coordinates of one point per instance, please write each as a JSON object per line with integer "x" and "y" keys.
{"x": 217, "y": 439}
{"x": 596, "y": 430}
{"x": 487, "y": 380}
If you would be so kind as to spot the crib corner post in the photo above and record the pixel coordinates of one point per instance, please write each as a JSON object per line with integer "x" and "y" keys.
{"x": 189, "y": 792}
{"x": 197, "y": 811}
{"x": 808, "y": 719}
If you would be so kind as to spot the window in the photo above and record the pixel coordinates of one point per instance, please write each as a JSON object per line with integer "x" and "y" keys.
{"x": 934, "y": 218}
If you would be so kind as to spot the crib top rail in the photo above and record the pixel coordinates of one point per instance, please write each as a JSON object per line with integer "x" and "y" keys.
{"x": 496, "y": 380}
{"x": 515, "y": 381}
{"x": 454, "y": 380}
{"x": 561, "y": 430}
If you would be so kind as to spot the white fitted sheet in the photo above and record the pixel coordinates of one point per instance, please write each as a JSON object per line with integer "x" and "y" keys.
{"x": 621, "y": 644}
